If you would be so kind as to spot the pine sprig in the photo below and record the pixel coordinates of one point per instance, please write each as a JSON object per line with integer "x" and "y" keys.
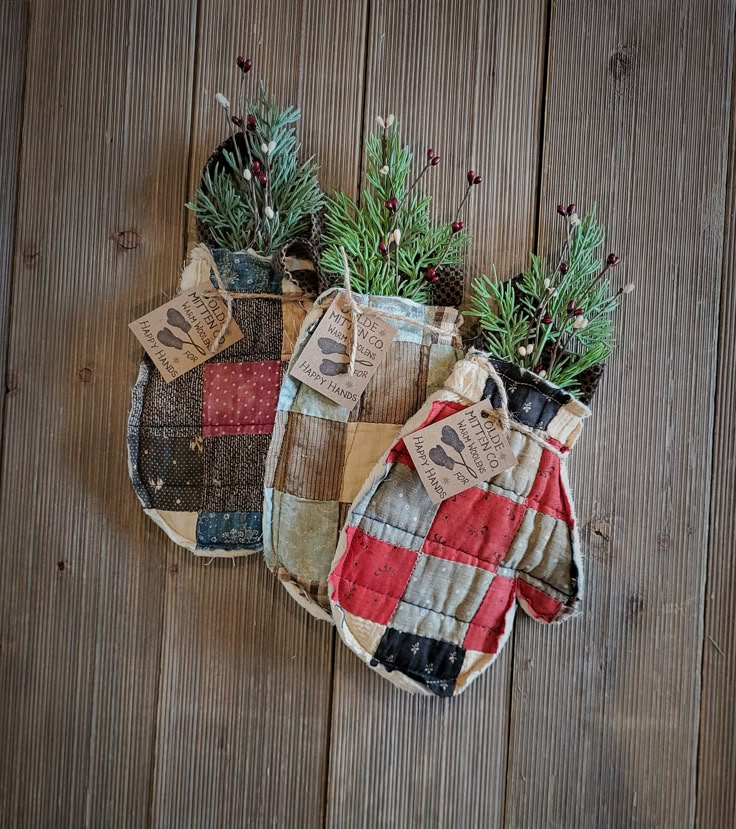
{"x": 554, "y": 319}
{"x": 392, "y": 246}
{"x": 258, "y": 196}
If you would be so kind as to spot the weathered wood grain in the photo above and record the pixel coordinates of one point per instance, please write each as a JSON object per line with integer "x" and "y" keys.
{"x": 104, "y": 151}
{"x": 246, "y": 679}
{"x": 141, "y": 688}
{"x": 13, "y": 33}
{"x": 716, "y": 795}
{"x": 466, "y": 79}
{"x": 605, "y": 710}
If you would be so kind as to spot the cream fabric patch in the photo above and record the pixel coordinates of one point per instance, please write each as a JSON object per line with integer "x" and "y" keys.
{"x": 364, "y": 445}
{"x": 293, "y": 314}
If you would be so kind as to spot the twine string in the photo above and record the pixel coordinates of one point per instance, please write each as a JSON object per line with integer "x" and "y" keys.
{"x": 502, "y": 412}
{"x": 228, "y": 297}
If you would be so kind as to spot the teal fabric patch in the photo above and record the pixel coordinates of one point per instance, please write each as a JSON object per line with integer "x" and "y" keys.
{"x": 301, "y": 541}
{"x": 229, "y": 531}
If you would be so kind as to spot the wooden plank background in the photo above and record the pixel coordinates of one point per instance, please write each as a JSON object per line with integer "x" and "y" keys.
{"x": 139, "y": 687}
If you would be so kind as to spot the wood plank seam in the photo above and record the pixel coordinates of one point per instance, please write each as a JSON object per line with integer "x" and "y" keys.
{"x": 718, "y": 390}
{"x": 13, "y": 242}
{"x": 333, "y": 641}
{"x": 537, "y": 224}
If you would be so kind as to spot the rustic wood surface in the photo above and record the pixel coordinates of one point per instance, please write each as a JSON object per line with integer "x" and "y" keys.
{"x": 139, "y": 687}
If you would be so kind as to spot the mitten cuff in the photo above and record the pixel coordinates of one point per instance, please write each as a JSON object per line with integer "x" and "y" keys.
{"x": 532, "y": 401}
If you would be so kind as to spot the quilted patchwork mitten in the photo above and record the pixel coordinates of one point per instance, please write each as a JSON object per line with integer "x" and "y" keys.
{"x": 321, "y": 453}
{"x": 426, "y": 593}
{"x": 197, "y": 446}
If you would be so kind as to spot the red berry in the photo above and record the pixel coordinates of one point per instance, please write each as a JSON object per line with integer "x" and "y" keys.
{"x": 547, "y": 319}
{"x": 240, "y": 60}
{"x": 382, "y": 248}
{"x": 256, "y": 166}
{"x": 430, "y": 154}
{"x": 471, "y": 176}
{"x": 570, "y": 209}
{"x": 237, "y": 120}
{"x": 392, "y": 204}
{"x": 247, "y": 66}
{"x": 262, "y": 178}
{"x": 457, "y": 227}
{"x": 477, "y": 180}
{"x": 613, "y": 260}
{"x": 538, "y": 367}
{"x": 435, "y": 160}
{"x": 251, "y": 121}
{"x": 578, "y": 312}
{"x": 564, "y": 268}
{"x": 571, "y": 306}
{"x": 431, "y": 275}
{"x": 561, "y": 209}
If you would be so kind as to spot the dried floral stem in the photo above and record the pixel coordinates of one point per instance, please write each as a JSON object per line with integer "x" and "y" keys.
{"x": 545, "y": 305}
{"x": 462, "y": 202}
{"x": 593, "y": 284}
{"x": 235, "y": 142}
{"x": 537, "y": 350}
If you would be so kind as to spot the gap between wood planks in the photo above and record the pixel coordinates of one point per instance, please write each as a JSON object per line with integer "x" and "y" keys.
{"x": 537, "y": 225}
{"x": 333, "y": 637}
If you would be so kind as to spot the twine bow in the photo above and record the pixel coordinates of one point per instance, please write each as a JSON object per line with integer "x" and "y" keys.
{"x": 202, "y": 253}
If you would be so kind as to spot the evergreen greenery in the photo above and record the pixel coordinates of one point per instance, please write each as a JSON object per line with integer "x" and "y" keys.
{"x": 259, "y": 196}
{"x": 555, "y": 320}
{"x": 402, "y": 268}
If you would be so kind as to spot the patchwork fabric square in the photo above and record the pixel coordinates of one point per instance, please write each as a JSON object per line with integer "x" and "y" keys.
{"x": 197, "y": 446}
{"x": 322, "y": 454}
{"x": 240, "y": 398}
{"x": 182, "y": 400}
{"x": 171, "y": 467}
{"x": 431, "y": 662}
{"x": 508, "y": 542}
{"x": 233, "y": 472}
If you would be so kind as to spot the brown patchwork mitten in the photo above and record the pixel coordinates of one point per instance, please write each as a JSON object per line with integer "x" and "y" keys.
{"x": 197, "y": 446}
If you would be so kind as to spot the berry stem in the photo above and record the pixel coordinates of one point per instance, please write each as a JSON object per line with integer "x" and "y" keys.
{"x": 407, "y": 193}
{"x": 462, "y": 202}
{"x": 592, "y": 285}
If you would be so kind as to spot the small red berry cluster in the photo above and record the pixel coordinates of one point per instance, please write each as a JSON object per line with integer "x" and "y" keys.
{"x": 244, "y": 64}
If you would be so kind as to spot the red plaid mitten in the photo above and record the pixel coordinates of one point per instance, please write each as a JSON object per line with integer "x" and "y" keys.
{"x": 426, "y": 593}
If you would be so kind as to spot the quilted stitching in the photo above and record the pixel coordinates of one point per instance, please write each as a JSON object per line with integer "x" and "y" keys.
{"x": 197, "y": 447}
{"x": 479, "y": 555}
{"x": 311, "y": 446}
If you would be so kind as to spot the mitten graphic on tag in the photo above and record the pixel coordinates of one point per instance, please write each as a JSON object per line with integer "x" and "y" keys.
{"x": 425, "y": 592}
{"x": 322, "y": 451}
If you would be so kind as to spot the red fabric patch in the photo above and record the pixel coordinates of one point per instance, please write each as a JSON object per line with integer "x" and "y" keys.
{"x": 475, "y": 527}
{"x": 371, "y": 576}
{"x": 240, "y": 398}
{"x": 439, "y": 410}
{"x": 537, "y": 604}
{"x": 546, "y": 494}
{"x": 489, "y": 624}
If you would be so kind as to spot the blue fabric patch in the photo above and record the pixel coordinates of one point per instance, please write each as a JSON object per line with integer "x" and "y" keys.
{"x": 229, "y": 531}
{"x": 245, "y": 273}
